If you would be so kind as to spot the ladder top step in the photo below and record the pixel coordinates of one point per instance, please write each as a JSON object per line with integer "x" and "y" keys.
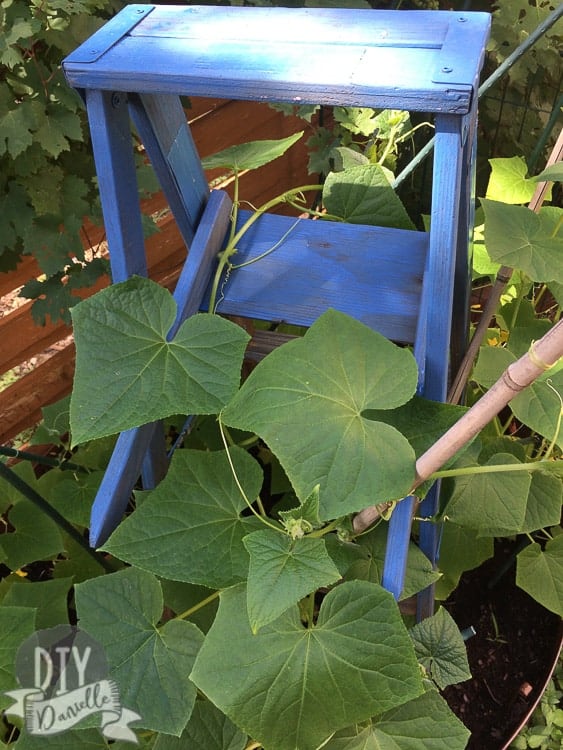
{"x": 417, "y": 60}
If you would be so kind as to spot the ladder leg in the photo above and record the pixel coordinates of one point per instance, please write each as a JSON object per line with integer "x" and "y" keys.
{"x": 464, "y": 259}
{"x": 113, "y": 153}
{"x": 448, "y": 170}
{"x": 396, "y": 550}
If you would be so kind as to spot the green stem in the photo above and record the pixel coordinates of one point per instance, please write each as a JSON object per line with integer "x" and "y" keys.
{"x": 390, "y": 144}
{"x": 224, "y": 257}
{"x": 236, "y": 203}
{"x": 200, "y": 605}
{"x": 30, "y": 494}
{"x": 238, "y": 484}
{"x": 277, "y": 201}
{"x": 325, "y": 530}
{"x": 492, "y": 469}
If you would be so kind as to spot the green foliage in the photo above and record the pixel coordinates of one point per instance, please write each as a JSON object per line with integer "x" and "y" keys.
{"x": 425, "y": 722}
{"x": 358, "y": 630}
{"x": 47, "y": 177}
{"x": 191, "y": 371}
{"x": 178, "y": 532}
{"x": 440, "y": 649}
{"x": 313, "y": 419}
{"x": 514, "y": 111}
{"x": 151, "y": 665}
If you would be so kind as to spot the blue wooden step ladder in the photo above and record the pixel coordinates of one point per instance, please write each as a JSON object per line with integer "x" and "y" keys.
{"x": 410, "y": 286}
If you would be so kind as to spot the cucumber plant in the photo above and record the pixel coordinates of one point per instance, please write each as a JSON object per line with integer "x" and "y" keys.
{"x": 244, "y": 610}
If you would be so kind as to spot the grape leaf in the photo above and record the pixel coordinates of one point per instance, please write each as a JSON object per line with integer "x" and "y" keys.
{"x": 16, "y": 128}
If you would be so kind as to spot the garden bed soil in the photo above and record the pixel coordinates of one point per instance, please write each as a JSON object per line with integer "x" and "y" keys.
{"x": 513, "y": 652}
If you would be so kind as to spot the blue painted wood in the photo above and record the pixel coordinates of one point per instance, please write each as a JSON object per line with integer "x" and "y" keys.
{"x": 401, "y": 283}
{"x": 161, "y": 123}
{"x": 110, "y": 129}
{"x": 385, "y": 59}
{"x": 396, "y": 551}
{"x": 372, "y": 273}
{"x": 462, "y": 52}
{"x": 110, "y": 33}
{"x": 121, "y": 475}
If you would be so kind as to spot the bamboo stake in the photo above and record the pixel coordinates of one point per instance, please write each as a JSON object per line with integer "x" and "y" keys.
{"x": 541, "y": 356}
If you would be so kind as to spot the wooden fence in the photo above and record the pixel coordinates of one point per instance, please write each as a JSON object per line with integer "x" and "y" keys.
{"x": 215, "y": 125}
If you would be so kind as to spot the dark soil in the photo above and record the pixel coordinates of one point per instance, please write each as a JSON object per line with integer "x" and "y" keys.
{"x": 516, "y": 643}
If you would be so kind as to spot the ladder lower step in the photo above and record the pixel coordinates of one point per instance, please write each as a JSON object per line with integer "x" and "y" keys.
{"x": 374, "y": 274}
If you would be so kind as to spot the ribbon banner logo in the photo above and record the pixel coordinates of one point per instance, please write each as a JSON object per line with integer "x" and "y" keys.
{"x": 63, "y": 673}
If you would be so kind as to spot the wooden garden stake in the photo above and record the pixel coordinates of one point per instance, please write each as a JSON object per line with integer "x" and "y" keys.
{"x": 541, "y": 356}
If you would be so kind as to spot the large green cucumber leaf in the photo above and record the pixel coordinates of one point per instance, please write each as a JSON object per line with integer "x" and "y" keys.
{"x": 553, "y": 172}
{"x": 128, "y": 373}
{"x": 150, "y": 664}
{"x": 420, "y": 420}
{"x": 545, "y": 497}
{"x": 282, "y": 571}
{"x": 290, "y": 687}
{"x": 520, "y": 238}
{"x": 250, "y": 155}
{"x": 493, "y": 503}
{"x": 540, "y": 573}
{"x": 71, "y": 493}
{"x": 425, "y": 722}
{"x": 538, "y": 406}
{"x": 307, "y": 401}
{"x": 440, "y": 649}
{"x": 190, "y": 527}
{"x": 207, "y": 729}
{"x": 363, "y": 195}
